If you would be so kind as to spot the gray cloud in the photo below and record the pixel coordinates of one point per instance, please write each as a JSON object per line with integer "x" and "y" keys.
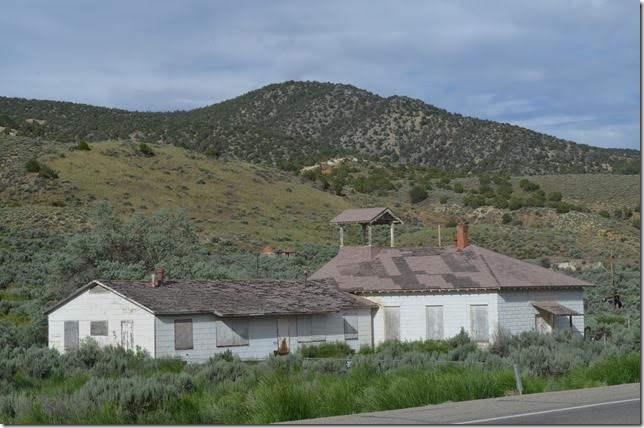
{"x": 565, "y": 67}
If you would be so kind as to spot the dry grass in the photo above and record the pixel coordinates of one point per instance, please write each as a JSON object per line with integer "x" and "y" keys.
{"x": 227, "y": 199}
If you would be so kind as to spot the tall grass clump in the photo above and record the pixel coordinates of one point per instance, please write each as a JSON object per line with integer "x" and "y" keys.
{"x": 326, "y": 350}
{"x": 613, "y": 370}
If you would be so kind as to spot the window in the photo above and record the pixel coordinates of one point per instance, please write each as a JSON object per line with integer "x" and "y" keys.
{"x": 392, "y": 322}
{"x": 479, "y": 327}
{"x": 183, "y": 334}
{"x": 232, "y": 332}
{"x": 98, "y": 328}
{"x": 434, "y": 322}
{"x": 350, "y": 326}
{"x": 311, "y": 328}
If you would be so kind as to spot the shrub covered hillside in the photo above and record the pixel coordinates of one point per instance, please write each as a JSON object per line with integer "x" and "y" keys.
{"x": 113, "y": 386}
{"x": 292, "y": 124}
{"x": 94, "y": 386}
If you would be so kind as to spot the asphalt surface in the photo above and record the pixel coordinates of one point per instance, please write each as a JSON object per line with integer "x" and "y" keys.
{"x": 613, "y": 405}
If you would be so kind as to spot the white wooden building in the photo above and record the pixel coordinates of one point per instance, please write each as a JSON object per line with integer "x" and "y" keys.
{"x": 363, "y": 296}
{"x": 434, "y": 292}
{"x": 195, "y": 319}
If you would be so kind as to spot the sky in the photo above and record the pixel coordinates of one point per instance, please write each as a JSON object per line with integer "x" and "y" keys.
{"x": 568, "y": 68}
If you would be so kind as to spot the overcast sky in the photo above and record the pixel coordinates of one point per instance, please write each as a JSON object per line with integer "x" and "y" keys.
{"x": 564, "y": 67}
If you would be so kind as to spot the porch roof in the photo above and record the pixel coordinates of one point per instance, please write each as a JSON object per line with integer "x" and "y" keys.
{"x": 555, "y": 308}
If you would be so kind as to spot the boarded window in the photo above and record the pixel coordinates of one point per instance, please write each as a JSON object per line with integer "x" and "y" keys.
{"x": 183, "y": 334}
{"x": 311, "y": 328}
{"x": 232, "y": 332}
{"x": 392, "y": 322}
{"x": 434, "y": 322}
{"x": 350, "y": 326}
{"x": 71, "y": 335}
{"x": 98, "y": 328}
{"x": 479, "y": 326}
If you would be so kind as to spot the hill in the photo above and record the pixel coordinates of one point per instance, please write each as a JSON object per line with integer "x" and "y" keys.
{"x": 230, "y": 201}
{"x": 248, "y": 206}
{"x": 293, "y": 124}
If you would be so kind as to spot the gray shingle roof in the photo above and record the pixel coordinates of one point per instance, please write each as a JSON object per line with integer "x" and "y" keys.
{"x": 234, "y": 297}
{"x": 411, "y": 269}
{"x": 365, "y": 215}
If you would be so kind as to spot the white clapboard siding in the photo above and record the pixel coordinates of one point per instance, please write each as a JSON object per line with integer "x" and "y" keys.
{"x": 413, "y": 313}
{"x": 516, "y": 313}
{"x": 262, "y": 334}
{"x": 99, "y": 304}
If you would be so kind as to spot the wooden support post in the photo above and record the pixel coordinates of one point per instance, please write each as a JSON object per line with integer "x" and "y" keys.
{"x": 439, "y": 236}
{"x": 364, "y": 234}
{"x": 391, "y": 232}
{"x": 341, "y": 236}
{"x": 369, "y": 231}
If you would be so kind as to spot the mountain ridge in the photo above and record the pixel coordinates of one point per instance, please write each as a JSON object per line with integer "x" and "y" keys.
{"x": 291, "y": 124}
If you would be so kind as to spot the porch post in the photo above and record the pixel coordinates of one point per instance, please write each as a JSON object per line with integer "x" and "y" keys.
{"x": 369, "y": 229}
{"x": 341, "y": 236}
{"x": 391, "y": 232}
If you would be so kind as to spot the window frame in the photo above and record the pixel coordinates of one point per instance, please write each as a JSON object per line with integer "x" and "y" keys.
{"x": 229, "y": 323}
{"x": 312, "y": 320}
{"x": 92, "y": 326}
{"x": 441, "y": 323}
{"x": 192, "y": 340}
{"x": 351, "y": 335}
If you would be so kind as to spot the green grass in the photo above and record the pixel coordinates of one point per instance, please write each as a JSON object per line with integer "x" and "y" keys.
{"x": 266, "y": 392}
{"x": 231, "y": 200}
{"x": 326, "y": 350}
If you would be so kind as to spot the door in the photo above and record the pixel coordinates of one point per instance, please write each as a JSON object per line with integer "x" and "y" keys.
{"x": 127, "y": 334}
{"x": 283, "y": 337}
{"x": 71, "y": 335}
{"x": 479, "y": 325}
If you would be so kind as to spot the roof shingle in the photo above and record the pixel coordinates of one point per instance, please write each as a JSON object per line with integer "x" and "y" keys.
{"x": 390, "y": 269}
{"x": 235, "y": 297}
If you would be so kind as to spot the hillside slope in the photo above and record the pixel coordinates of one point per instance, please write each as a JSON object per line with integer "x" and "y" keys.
{"x": 296, "y": 123}
{"x": 248, "y": 204}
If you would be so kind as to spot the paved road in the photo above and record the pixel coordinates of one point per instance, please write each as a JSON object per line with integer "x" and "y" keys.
{"x": 613, "y": 405}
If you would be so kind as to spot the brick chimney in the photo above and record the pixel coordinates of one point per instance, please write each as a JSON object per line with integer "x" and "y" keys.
{"x": 460, "y": 238}
{"x": 157, "y": 277}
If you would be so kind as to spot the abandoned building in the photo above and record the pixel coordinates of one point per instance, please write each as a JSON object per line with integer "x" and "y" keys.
{"x": 363, "y": 296}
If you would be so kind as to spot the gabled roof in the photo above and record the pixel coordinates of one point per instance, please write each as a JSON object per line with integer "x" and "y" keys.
{"x": 371, "y": 269}
{"x": 232, "y": 297}
{"x": 379, "y": 215}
